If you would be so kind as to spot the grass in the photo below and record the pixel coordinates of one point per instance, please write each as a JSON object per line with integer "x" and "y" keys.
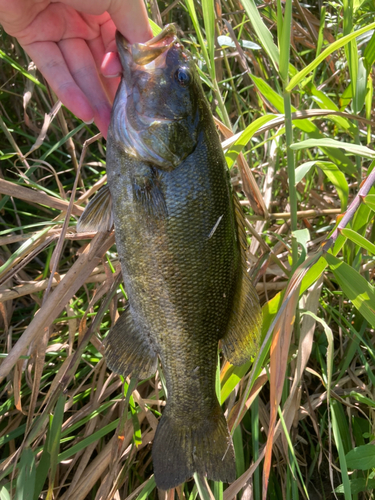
{"x": 295, "y": 114}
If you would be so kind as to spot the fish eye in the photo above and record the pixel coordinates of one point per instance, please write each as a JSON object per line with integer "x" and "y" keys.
{"x": 182, "y": 76}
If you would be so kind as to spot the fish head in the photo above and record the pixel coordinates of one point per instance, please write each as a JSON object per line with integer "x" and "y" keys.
{"x": 155, "y": 115}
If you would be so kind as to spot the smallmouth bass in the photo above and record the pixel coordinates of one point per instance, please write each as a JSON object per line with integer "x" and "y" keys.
{"x": 181, "y": 252}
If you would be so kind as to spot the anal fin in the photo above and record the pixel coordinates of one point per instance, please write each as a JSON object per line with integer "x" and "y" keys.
{"x": 128, "y": 350}
{"x": 97, "y": 216}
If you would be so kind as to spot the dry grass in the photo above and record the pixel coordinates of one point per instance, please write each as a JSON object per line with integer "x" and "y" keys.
{"x": 69, "y": 428}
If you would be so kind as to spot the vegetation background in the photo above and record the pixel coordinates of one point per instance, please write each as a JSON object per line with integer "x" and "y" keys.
{"x": 291, "y": 86}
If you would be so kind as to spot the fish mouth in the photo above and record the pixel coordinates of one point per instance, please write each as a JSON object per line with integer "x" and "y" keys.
{"x": 146, "y": 54}
{"x": 136, "y": 134}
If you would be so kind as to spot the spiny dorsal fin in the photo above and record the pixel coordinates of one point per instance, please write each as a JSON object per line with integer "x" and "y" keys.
{"x": 97, "y": 216}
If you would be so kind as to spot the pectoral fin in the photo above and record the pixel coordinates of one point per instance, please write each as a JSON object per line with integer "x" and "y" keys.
{"x": 128, "y": 350}
{"x": 242, "y": 338}
{"x": 98, "y": 213}
{"x": 147, "y": 191}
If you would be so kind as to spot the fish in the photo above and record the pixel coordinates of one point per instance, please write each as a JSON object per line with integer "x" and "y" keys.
{"x": 181, "y": 242}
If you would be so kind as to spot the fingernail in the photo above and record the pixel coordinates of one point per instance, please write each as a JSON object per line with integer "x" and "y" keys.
{"x": 112, "y": 76}
{"x": 89, "y": 122}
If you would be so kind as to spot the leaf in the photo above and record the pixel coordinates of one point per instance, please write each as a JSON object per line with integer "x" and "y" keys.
{"x": 358, "y": 485}
{"x": 204, "y": 490}
{"x": 226, "y": 41}
{"x": 54, "y": 441}
{"x": 361, "y": 88}
{"x": 7, "y": 156}
{"x": 209, "y": 25}
{"x": 362, "y": 399}
{"x": 368, "y": 105}
{"x": 340, "y": 448}
{"x": 334, "y": 175}
{"x": 42, "y": 471}
{"x": 332, "y": 143}
{"x": 26, "y": 476}
{"x": 269, "y": 93}
{"x": 355, "y": 287}
{"x": 297, "y": 79}
{"x": 329, "y": 335}
{"x": 362, "y": 457}
{"x": 262, "y": 31}
{"x": 4, "y": 494}
{"x": 149, "y": 487}
{"x": 155, "y": 27}
{"x": 193, "y": 16}
{"x": 358, "y": 239}
{"x": 303, "y": 237}
{"x": 369, "y": 53}
{"x": 284, "y": 41}
{"x": 303, "y": 170}
{"x": 245, "y": 137}
{"x": 338, "y": 180}
{"x": 369, "y": 200}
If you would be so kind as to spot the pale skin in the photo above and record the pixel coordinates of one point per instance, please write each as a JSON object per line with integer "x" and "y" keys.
{"x": 72, "y": 44}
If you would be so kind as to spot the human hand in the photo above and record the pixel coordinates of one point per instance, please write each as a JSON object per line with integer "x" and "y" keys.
{"x": 72, "y": 42}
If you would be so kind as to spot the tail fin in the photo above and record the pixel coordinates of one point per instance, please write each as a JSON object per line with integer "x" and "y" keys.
{"x": 183, "y": 447}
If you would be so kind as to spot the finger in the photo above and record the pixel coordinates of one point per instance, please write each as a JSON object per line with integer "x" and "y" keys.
{"x": 110, "y": 84}
{"x": 130, "y": 18}
{"x": 111, "y": 65}
{"x": 82, "y": 66}
{"x": 50, "y": 62}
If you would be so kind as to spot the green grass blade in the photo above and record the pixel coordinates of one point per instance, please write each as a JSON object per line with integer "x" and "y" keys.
{"x": 337, "y": 178}
{"x": 209, "y": 25}
{"x": 354, "y": 149}
{"x": 355, "y": 287}
{"x": 193, "y": 16}
{"x": 285, "y": 41}
{"x": 22, "y": 70}
{"x": 369, "y": 200}
{"x": 54, "y": 441}
{"x": 218, "y": 490}
{"x": 149, "y": 487}
{"x": 26, "y": 477}
{"x": 87, "y": 441}
{"x": 358, "y": 239}
{"x": 247, "y": 134}
{"x": 262, "y": 31}
{"x": 297, "y": 79}
{"x": 155, "y": 27}
{"x": 340, "y": 449}
{"x": 4, "y": 494}
{"x": 239, "y": 451}
{"x": 202, "y": 486}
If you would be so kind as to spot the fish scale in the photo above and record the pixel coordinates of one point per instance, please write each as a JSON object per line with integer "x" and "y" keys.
{"x": 178, "y": 236}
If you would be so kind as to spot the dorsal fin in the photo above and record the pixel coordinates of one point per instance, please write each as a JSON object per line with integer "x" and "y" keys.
{"x": 97, "y": 216}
